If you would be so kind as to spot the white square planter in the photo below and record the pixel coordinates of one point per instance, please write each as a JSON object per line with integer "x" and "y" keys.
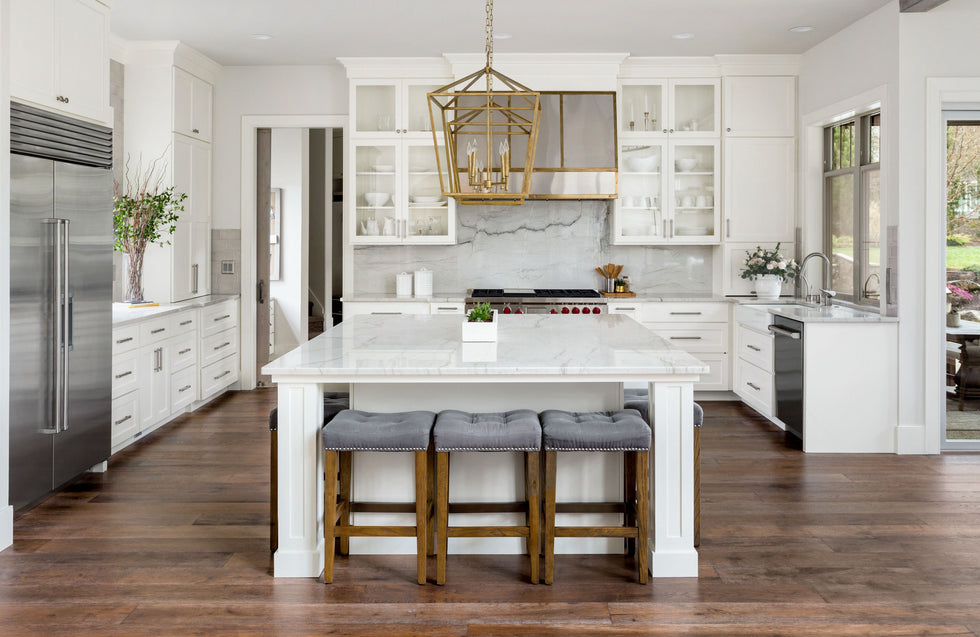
{"x": 481, "y": 331}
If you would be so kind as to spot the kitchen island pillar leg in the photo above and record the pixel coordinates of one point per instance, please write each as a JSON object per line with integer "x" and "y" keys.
{"x": 300, "y": 552}
{"x": 672, "y": 541}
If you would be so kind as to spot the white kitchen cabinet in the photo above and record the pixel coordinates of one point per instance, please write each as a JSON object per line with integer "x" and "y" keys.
{"x": 700, "y": 328}
{"x": 192, "y": 105}
{"x": 125, "y": 419}
{"x": 760, "y": 189}
{"x": 59, "y": 56}
{"x": 447, "y": 308}
{"x": 154, "y": 373}
{"x": 760, "y": 106}
{"x": 753, "y": 369}
{"x": 733, "y": 257}
{"x": 392, "y": 107}
{"x": 219, "y": 344}
{"x": 682, "y": 107}
{"x": 354, "y": 308}
{"x": 667, "y": 192}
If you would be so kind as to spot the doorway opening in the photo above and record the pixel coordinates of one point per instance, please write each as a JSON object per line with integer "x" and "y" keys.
{"x": 962, "y": 414}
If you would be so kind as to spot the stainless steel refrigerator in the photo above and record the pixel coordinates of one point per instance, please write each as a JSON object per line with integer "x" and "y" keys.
{"x": 60, "y": 300}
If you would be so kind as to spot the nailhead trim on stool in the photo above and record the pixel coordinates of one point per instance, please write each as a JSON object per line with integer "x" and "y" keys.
{"x": 351, "y": 431}
{"x": 622, "y": 430}
{"x": 517, "y": 430}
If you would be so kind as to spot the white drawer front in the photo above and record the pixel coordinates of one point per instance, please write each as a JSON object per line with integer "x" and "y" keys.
{"x": 685, "y": 312}
{"x": 754, "y": 347}
{"x": 124, "y": 373}
{"x": 219, "y": 317}
{"x": 218, "y": 346}
{"x": 753, "y": 317}
{"x": 183, "y": 389}
{"x": 718, "y": 377}
{"x": 693, "y": 338}
{"x": 353, "y": 308}
{"x": 218, "y": 375}
{"x": 186, "y": 322}
{"x": 125, "y": 338}
{"x": 183, "y": 351}
{"x": 446, "y": 308}
{"x": 632, "y": 310}
{"x": 754, "y": 386}
{"x": 156, "y": 330}
{"x": 125, "y": 418}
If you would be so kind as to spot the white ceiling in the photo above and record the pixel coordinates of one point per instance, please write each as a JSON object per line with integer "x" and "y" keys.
{"x": 318, "y": 31}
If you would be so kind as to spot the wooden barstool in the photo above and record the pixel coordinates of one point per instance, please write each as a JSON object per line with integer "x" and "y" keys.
{"x": 352, "y": 431}
{"x": 608, "y": 431}
{"x": 333, "y": 404}
{"x": 638, "y": 399}
{"x": 517, "y": 430}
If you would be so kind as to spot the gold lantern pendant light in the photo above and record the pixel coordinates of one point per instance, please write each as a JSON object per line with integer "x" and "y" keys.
{"x": 487, "y": 129}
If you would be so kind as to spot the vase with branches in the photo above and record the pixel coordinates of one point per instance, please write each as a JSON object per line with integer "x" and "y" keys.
{"x": 144, "y": 212}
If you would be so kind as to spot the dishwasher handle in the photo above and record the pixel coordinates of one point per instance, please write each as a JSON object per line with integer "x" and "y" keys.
{"x": 782, "y": 331}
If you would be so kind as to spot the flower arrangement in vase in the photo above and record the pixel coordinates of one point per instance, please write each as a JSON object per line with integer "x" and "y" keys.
{"x": 143, "y": 213}
{"x": 768, "y": 269}
{"x": 956, "y": 299}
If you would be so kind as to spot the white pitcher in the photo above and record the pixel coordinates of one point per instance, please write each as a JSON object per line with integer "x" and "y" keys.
{"x": 389, "y": 227}
{"x": 370, "y": 228}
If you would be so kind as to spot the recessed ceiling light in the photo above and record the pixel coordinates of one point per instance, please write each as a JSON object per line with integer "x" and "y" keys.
{"x": 682, "y": 36}
{"x": 801, "y": 29}
{"x": 260, "y": 36}
{"x": 502, "y": 36}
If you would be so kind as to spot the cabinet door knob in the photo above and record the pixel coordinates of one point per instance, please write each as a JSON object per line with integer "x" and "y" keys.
{"x": 665, "y": 130}
{"x": 728, "y": 130}
{"x": 671, "y": 130}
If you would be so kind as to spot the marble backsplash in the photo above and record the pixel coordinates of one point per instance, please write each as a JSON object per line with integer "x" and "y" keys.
{"x": 543, "y": 244}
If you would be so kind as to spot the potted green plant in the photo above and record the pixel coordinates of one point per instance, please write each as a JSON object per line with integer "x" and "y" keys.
{"x": 480, "y": 325}
{"x": 144, "y": 212}
{"x": 768, "y": 269}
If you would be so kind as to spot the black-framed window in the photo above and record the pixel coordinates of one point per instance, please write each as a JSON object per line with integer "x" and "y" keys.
{"x": 852, "y": 207}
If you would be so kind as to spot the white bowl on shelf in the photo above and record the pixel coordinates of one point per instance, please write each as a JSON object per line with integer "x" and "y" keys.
{"x": 376, "y": 199}
{"x": 383, "y": 168}
{"x": 643, "y": 163}
{"x": 426, "y": 198}
{"x": 685, "y": 164}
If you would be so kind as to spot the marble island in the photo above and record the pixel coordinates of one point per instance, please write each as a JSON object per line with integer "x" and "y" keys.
{"x": 404, "y": 362}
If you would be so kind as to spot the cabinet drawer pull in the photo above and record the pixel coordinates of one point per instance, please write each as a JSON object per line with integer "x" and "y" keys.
{"x": 448, "y": 309}
{"x": 183, "y": 389}
{"x": 685, "y": 313}
{"x": 753, "y": 347}
{"x": 187, "y": 322}
{"x": 124, "y": 419}
{"x": 123, "y": 375}
{"x": 385, "y": 312}
{"x": 224, "y": 373}
{"x": 755, "y": 387}
{"x": 221, "y": 318}
{"x": 685, "y": 338}
{"x": 183, "y": 351}
{"x": 124, "y": 340}
{"x": 626, "y": 309}
{"x": 225, "y": 344}
{"x": 194, "y": 130}
{"x": 162, "y": 329}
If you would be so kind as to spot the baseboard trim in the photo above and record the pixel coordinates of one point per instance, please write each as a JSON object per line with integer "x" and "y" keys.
{"x": 910, "y": 439}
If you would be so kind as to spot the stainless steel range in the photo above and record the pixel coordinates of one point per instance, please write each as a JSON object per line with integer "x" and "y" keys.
{"x": 535, "y": 301}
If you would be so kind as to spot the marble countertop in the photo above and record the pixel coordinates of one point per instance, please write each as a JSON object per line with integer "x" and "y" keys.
{"x": 527, "y": 345}
{"x": 123, "y": 314}
{"x": 823, "y": 314}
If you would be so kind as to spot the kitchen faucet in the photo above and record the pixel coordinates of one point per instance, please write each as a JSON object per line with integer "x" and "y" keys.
{"x": 827, "y": 296}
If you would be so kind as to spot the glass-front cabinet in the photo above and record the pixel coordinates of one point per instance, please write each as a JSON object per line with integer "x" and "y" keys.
{"x": 395, "y": 190}
{"x": 667, "y": 192}
{"x": 688, "y": 107}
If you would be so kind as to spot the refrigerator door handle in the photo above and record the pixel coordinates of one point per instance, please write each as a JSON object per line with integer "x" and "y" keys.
{"x": 66, "y": 302}
{"x": 62, "y": 301}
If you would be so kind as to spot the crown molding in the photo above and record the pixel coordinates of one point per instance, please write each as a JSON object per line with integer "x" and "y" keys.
{"x": 360, "y": 68}
{"x": 783, "y": 64}
{"x": 547, "y": 71}
{"x": 163, "y": 53}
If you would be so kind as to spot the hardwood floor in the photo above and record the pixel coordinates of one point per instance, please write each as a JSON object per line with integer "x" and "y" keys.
{"x": 173, "y": 541}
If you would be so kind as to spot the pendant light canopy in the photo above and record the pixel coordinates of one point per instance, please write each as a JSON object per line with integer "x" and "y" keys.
{"x": 490, "y": 134}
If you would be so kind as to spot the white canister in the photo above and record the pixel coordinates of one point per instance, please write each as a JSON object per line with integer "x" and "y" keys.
{"x": 423, "y": 282}
{"x": 403, "y": 284}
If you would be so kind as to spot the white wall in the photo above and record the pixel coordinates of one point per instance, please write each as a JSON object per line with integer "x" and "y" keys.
{"x": 320, "y": 230}
{"x": 6, "y": 511}
{"x": 263, "y": 90}
{"x": 939, "y": 43}
{"x": 291, "y": 173}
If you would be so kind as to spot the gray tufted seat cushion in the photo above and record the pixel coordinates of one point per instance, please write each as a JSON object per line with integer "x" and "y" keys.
{"x": 638, "y": 399}
{"x": 353, "y": 430}
{"x": 518, "y": 430}
{"x": 622, "y": 430}
{"x": 333, "y": 404}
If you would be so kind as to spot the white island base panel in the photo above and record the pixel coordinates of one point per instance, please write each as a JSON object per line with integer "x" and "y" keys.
{"x": 487, "y": 477}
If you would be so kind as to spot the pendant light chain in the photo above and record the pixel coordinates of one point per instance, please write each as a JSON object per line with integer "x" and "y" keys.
{"x": 489, "y": 47}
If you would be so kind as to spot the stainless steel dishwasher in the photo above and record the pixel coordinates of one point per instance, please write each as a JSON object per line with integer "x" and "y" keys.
{"x": 788, "y": 373}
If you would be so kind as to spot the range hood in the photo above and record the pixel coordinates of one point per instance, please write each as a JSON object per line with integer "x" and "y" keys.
{"x": 576, "y": 154}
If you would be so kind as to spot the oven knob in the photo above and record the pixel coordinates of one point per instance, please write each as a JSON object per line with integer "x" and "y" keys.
{"x": 575, "y": 310}
{"x": 596, "y": 310}
{"x": 564, "y": 310}
{"x": 507, "y": 310}
{"x": 554, "y": 311}
{"x": 519, "y": 312}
